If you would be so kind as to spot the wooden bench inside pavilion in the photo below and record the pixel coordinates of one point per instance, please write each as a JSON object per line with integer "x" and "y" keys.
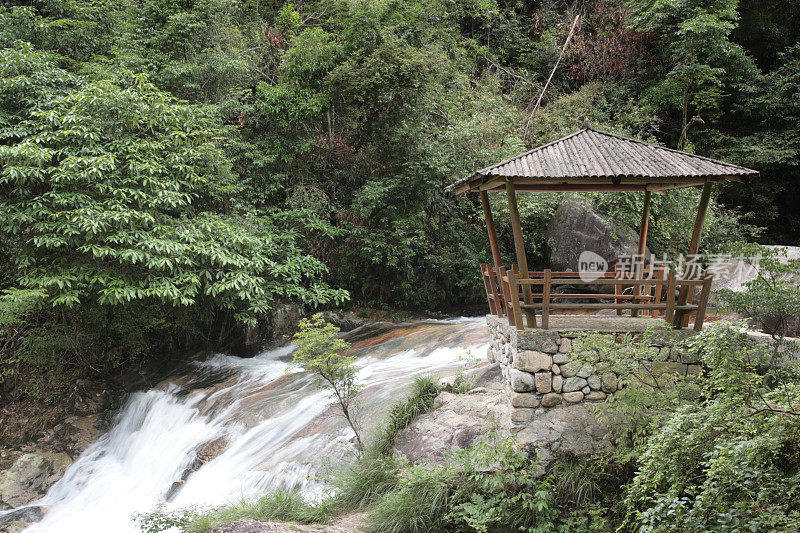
{"x": 590, "y": 160}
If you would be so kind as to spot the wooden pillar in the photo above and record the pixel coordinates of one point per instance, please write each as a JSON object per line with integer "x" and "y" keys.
{"x": 487, "y": 214}
{"x": 519, "y": 247}
{"x": 641, "y": 260}
{"x": 682, "y": 319}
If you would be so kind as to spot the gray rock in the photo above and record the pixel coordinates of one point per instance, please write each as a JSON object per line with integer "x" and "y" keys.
{"x": 551, "y": 399}
{"x": 594, "y": 382}
{"x": 565, "y": 345}
{"x": 24, "y": 515}
{"x": 521, "y": 381}
{"x": 456, "y": 423}
{"x": 520, "y": 415}
{"x": 558, "y": 383}
{"x": 595, "y": 396}
{"x": 561, "y": 358}
{"x": 577, "y": 226}
{"x": 555, "y": 369}
{"x": 537, "y": 339}
{"x": 571, "y": 369}
{"x": 573, "y": 397}
{"x": 523, "y": 399}
{"x": 608, "y": 382}
{"x": 585, "y": 371}
{"x": 30, "y": 476}
{"x": 573, "y": 384}
{"x": 533, "y": 361}
{"x": 544, "y": 382}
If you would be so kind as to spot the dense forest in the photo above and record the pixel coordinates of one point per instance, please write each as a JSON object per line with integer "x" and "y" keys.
{"x": 172, "y": 169}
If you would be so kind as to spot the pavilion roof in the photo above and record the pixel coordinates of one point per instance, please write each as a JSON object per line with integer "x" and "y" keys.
{"x": 594, "y": 160}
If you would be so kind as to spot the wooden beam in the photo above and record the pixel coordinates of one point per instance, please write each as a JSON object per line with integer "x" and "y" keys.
{"x": 705, "y": 196}
{"x": 491, "y": 230}
{"x": 519, "y": 246}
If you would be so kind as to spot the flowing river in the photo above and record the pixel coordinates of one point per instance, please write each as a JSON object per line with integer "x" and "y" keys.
{"x": 234, "y": 428}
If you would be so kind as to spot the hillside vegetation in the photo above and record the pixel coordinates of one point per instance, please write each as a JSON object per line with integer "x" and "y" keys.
{"x": 171, "y": 169}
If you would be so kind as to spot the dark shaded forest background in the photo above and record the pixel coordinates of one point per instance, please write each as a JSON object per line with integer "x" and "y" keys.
{"x": 172, "y": 168}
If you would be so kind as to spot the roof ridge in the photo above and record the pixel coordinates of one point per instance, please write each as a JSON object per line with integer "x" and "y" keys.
{"x": 673, "y": 150}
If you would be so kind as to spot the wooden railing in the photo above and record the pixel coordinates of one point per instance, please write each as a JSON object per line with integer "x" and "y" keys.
{"x": 655, "y": 293}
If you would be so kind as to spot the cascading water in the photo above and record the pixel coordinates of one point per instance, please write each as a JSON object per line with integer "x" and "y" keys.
{"x": 261, "y": 422}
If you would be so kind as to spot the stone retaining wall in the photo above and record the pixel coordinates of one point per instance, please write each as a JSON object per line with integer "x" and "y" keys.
{"x": 541, "y": 374}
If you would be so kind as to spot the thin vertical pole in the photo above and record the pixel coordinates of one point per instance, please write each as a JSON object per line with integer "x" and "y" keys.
{"x": 642, "y": 247}
{"x": 519, "y": 246}
{"x": 694, "y": 246}
{"x": 546, "y": 300}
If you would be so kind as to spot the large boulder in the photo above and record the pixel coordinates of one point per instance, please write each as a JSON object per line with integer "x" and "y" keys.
{"x": 461, "y": 419}
{"x": 30, "y": 476}
{"x": 577, "y": 227}
{"x": 733, "y": 273}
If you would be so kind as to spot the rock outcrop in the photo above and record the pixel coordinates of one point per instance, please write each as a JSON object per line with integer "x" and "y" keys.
{"x": 577, "y": 226}
{"x": 459, "y": 420}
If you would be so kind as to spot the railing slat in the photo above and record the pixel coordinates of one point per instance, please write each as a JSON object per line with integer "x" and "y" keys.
{"x": 670, "y": 309}
{"x": 546, "y": 300}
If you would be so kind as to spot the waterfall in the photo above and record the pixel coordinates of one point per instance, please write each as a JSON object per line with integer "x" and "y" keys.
{"x": 234, "y": 428}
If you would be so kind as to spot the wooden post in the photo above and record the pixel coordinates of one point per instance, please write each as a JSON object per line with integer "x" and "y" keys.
{"x": 642, "y": 247}
{"x": 485, "y": 276}
{"x": 490, "y": 229}
{"x": 694, "y": 245}
{"x": 670, "y": 312}
{"x": 546, "y": 300}
{"x": 519, "y": 246}
{"x": 494, "y": 245}
{"x": 503, "y": 273}
{"x": 701, "y": 305}
{"x": 514, "y": 295}
{"x": 498, "y": 300}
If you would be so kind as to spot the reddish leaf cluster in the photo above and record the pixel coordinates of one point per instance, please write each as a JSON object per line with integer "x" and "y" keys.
{"x": 604, "y": 47}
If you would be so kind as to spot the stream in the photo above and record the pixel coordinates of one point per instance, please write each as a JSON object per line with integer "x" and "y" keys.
{"x": 231, "y": 428}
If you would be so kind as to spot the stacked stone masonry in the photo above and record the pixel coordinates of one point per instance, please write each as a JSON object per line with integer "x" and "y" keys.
{"x": 541, "y": 373}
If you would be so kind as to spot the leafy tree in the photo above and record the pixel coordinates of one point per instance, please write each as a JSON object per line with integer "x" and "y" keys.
{"x": 321, "y": 352}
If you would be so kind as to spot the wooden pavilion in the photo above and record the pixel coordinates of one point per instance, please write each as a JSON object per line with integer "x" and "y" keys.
{"x": 593, "y": 160}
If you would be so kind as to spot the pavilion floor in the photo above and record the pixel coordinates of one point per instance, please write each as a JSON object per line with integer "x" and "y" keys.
{"x": 603, "y": 323}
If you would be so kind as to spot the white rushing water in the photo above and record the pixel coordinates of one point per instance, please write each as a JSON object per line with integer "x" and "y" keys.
{"x": 268, "y": 424}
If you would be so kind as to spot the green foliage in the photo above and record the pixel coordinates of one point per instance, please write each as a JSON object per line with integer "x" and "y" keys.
{"x": 423, "y": 391}
{"x": 322, "y": 353}
{"x": 772, "y": 298}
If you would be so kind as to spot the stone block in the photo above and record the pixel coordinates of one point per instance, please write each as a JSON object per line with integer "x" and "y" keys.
{"x": 565, "y": 345}
{"x": 573, "y": 384}
{"x": 608, "y": 382}
{"x": 595, "y": 396}
{"x": 668, "y": 367}
{"x": 594, "y": 382}
{"x": 521, "y": 381}
{"x": 539, "y": 340}
{"x": 570, "y": 369}
{"x": 573, "y": 397}
{"x": 561, "y": 358}
{"x": 558, "y": 382}
{"x": 544, "y": 382}
{"x": 521, "y": 415}
{"x": 555, "y": 369}
{"x": 523, "y": 399}
{"x": 532, "y": 361}
{"x": 551, "y": 399}
{"x": 586, "y": 371}
{"x": 694, "y": 370}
